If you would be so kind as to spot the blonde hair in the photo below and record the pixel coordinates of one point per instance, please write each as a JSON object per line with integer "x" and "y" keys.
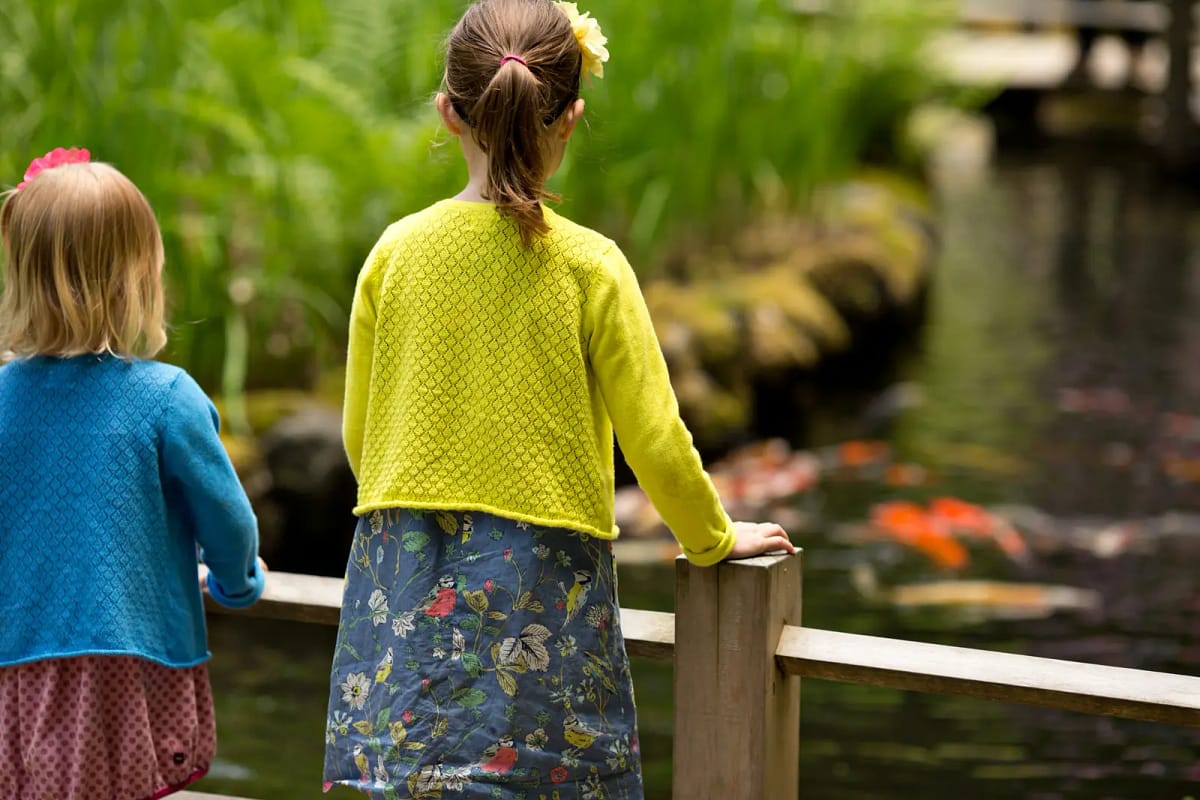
{"x": 509, "y": 104}
{"x": 83, "y": 256}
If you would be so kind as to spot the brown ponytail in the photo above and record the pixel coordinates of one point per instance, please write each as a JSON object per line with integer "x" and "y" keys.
{"x": 509, "y": 106}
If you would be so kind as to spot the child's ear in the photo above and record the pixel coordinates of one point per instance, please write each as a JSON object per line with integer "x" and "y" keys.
{"x": 448, "y": 114}
{"x": 570, "y": 118}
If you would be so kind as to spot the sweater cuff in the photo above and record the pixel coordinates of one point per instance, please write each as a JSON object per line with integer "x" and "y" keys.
{"x": 714, "y": 554}
{"x": 248, "y": 597}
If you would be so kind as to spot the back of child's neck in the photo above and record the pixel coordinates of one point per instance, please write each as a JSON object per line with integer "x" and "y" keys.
{"x": 472, "y": 192}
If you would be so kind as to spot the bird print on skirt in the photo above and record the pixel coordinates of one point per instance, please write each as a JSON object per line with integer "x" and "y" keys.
{"x": 480, "y": 657}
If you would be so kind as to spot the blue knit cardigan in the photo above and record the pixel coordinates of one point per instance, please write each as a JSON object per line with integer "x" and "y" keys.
{"x": 111, "y": 474}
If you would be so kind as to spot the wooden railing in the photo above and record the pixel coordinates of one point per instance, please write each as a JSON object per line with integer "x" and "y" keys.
{"x": 1108, "y": 15}
{"x": 739, "y": 654}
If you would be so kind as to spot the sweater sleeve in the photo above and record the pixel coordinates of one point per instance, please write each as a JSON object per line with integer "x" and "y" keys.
{"x": 636, "y": 387}
{"x": 198, "y": 474}
{"x": 359, "y": 357}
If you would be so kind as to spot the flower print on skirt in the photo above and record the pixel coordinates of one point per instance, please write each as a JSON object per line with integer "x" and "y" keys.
{"x": 480, "y": 657}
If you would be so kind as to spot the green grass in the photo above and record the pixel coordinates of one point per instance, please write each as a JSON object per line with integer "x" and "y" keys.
{"x": 277, "y": 139}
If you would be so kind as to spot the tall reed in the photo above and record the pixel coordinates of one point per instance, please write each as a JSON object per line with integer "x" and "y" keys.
{"x": 277, "y": 139}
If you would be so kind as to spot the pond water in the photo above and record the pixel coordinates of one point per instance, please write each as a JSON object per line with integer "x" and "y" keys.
{"x": 1055, "y": 382}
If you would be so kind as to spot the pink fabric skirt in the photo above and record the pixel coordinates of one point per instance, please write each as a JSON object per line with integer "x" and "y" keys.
{"x": 103, "y": 728}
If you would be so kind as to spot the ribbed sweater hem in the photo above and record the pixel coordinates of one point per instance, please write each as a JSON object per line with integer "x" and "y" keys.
{"x": 6, "y": 662}
{"x": 532, "y": 519}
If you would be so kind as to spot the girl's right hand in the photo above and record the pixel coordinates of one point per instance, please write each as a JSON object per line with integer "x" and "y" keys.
{"x": 757, "y": 538}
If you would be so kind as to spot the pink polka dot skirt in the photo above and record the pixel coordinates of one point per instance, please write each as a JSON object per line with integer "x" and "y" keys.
{"x": 103, "y": 728}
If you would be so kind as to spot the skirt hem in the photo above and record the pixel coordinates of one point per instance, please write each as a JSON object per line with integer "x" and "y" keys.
{"x": 179, "y": 787}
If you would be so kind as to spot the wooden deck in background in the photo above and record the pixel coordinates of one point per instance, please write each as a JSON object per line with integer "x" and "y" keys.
{"x": 1151, "y": 17}
{"x": 1041, "y": 61}
{"x": 1118, "y": 15}
{"x": 1031, "y": 44}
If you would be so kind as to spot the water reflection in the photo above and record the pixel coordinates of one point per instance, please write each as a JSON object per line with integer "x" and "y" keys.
{"x": 1062, "y": 340}
{"x": 1125, "y": 253}
{"x": 1058, "y": 385}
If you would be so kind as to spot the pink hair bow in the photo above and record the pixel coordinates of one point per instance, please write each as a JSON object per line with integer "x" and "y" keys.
{"x": 55, "y": 158}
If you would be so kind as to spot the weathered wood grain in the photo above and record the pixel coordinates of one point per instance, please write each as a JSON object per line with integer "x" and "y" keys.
{"x": 288, "y": 596}
{"x": 739, "y": 652}
{"x": 648, "y": 634}
{"x": 737, "y": 716}
{"x": 310, "y": 598}
{"x": 1003, "y": 677}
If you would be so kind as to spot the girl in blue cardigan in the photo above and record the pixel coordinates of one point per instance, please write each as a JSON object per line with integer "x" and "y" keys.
{"x": 111, "y": 475}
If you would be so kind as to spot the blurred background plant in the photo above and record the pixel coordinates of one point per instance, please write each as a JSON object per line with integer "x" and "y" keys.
{"x": 277, "y": 140}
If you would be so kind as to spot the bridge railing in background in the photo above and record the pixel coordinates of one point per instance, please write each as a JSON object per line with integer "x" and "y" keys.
{"x": 1113, "y": 15}
{"x": 967, "y": 57}
{"x": 739, "y": 654}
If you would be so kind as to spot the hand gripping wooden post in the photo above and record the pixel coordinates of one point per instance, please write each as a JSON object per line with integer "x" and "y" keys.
{"x": 737, "y": 715}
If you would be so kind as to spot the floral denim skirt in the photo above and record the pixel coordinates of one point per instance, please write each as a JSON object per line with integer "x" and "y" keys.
{"x": 480, "y": 657}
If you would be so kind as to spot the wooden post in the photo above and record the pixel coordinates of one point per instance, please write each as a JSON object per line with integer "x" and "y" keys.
{"x": 737, "y": 715}
{"x": 1179, "y": 130}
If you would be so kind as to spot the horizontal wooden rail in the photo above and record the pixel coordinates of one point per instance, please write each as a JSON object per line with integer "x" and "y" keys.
{"x": 741, "y": 654}
{"x": 293, "y": 597}
{"x": 1003, "y": 677}
{"x": 852, "y": 658}
{"x": 311, "y": 598}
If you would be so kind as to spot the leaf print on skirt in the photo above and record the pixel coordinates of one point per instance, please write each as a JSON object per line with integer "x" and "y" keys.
{"x": 480, "y": 658}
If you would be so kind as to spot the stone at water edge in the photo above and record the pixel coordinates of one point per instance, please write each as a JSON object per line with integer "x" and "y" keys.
{"x": 312, "y": 492}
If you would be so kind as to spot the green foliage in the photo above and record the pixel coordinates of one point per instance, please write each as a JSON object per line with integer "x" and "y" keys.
{"x": 276, "y": 140}
{"x": 712, "y": 110}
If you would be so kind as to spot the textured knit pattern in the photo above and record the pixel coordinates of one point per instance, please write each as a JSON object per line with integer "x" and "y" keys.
{"x": 480, "y": 658}
{"x": 111, "y": 473}
{"x": 489, "y": 376}
{"x": 103, "y": 728}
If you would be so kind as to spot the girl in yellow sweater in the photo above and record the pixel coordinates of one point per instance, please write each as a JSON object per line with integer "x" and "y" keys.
{"x": 495, "y": 347}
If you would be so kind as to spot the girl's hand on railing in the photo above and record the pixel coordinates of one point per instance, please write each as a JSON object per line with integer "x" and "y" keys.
{"x": 203, "y": 572}
{"x": 756, "y": 538}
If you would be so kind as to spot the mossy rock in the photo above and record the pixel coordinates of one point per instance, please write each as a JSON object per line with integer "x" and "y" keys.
{"x": 266, "y": 407}
{"x": 887, "y": 224}
{"x": 709, "y": 326}
{"x": 788, "y": 292}
{"x": 331, "y": 387}
{"x": 773, "y": 345}
{"x": 714, "y": 413}
{"x": 853, "y": 286}
{"x": 243, "y": 452}
{"x": 796, "y": 304}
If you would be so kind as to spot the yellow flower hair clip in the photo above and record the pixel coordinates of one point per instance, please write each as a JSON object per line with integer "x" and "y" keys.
{"x": 591, "y": 39}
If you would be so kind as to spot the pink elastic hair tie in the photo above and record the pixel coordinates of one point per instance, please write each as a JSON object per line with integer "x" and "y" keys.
{"x": 518, "y": 59}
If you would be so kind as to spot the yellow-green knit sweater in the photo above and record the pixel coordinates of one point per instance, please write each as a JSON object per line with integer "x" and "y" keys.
{"x": 484, "y": 375}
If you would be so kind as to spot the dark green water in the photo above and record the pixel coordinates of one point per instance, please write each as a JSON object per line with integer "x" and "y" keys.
{"x": 1059, "y": 371}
